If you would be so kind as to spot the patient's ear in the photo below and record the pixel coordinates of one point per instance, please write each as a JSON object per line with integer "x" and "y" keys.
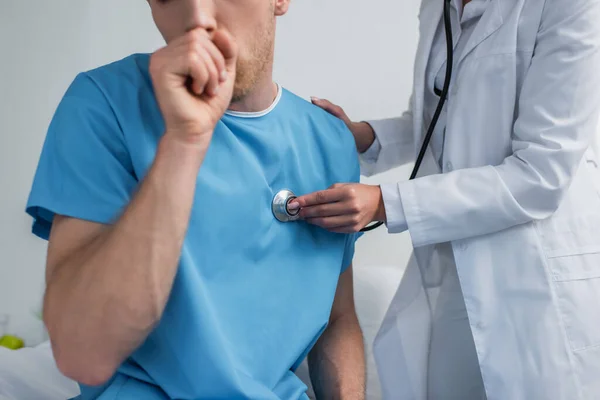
{"x": 281, "y": 7}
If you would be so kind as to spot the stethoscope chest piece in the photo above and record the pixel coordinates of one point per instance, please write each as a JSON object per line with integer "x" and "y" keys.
{"x": 280, "y": 206}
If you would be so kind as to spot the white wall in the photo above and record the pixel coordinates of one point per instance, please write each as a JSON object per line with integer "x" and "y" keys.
{"x": 355, "y": 52}
{"x": 43, "y": 45}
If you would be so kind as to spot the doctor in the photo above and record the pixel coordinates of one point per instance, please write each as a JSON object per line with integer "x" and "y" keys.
{"x": 501, "y": 298}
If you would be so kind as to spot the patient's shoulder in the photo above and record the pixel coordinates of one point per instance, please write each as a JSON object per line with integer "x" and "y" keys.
{"x": 324, "y": 122}
{"x": 129, "y": 71}
{"x": 121, "y": 83}
{"x": 303, "y": 106}
{"x": 332, "y": 134}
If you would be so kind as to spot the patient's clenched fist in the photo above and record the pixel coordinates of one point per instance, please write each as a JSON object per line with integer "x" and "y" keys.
{"x": 193, "y": 78}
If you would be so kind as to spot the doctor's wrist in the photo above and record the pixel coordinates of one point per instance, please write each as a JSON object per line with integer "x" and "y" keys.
{"x": 364, "y": 135}
{"x": 380, "y": 214}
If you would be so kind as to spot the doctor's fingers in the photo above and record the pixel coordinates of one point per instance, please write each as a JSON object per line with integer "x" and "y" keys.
{"x": 327, "y": 210}
{"x": 321, "y": 197}
{"x": 331, "y": 108}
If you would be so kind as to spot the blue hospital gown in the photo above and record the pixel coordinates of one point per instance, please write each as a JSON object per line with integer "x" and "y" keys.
{"x": 251, "y": 295}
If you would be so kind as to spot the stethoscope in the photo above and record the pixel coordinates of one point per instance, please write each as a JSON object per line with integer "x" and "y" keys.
{"x": 283, "y": 198}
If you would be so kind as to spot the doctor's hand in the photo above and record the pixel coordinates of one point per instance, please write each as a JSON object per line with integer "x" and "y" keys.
{"x": 363, "y": 133}
{"x": 193, "y": 78}
{"x": 343, "y": 208}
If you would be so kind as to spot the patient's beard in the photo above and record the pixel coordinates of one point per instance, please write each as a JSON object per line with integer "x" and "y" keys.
{"x": 253, "y": 63}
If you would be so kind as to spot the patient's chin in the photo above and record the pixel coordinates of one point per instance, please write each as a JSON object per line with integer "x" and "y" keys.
{"x": 242, "y": 89}
{"x": 240, "y": 94}
{"x": 248, "y": 73}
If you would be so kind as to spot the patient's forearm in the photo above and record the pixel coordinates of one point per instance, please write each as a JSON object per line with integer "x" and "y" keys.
{"x": 337, "y": 363}
{"x": 103, "y": 300}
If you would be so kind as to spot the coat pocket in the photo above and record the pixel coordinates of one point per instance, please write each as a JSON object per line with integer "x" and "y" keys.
{"x": 573, "y": 257}
{"x": 578, "y": 300}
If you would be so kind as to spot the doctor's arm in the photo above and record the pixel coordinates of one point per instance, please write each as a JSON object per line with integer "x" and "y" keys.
{"x": 337, "y": 362}
{"x": 557, "y": 115}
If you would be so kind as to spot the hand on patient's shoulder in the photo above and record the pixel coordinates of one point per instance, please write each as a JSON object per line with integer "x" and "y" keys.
{"x": 362, "y": 132}
{"x": 193, "y": 78}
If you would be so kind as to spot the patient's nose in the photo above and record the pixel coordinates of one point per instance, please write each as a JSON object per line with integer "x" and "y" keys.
{"x": 201, "y": 14}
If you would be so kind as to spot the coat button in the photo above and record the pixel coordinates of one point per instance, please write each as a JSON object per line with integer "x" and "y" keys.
{"x": 462, "y": 246}
{"x": 449, "y": 166}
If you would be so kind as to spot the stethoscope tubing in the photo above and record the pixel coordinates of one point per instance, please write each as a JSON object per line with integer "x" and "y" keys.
{"x": 440, "y": 105}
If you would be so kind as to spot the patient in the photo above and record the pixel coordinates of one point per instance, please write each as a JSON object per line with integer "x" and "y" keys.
{"x": 168, "y": 276}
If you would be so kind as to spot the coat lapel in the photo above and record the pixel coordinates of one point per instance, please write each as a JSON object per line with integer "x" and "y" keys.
{"x": 489, "y": 23}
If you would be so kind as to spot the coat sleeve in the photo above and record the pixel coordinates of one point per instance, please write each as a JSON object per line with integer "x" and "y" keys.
{"x": 393, "y": 146}
{"x": 557, "y": 117}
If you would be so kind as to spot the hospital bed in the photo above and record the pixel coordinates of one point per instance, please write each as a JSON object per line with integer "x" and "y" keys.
{"x": 31, "y": 373}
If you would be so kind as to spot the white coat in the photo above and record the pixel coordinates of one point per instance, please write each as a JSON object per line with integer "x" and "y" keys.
{"x": 518, "y": 199}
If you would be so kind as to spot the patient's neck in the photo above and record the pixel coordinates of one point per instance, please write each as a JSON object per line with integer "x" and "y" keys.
{"x": 260, "y": 97}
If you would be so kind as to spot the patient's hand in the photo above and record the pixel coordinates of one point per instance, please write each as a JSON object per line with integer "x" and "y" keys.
{"x": 364, "y": 136}
{"x": 193, "y": 77}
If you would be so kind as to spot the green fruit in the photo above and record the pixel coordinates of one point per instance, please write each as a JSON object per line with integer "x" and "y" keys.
{"x": 11, "y": 342}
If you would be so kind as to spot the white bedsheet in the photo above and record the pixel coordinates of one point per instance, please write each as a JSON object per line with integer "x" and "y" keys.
{"x": 31, "y": 374}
